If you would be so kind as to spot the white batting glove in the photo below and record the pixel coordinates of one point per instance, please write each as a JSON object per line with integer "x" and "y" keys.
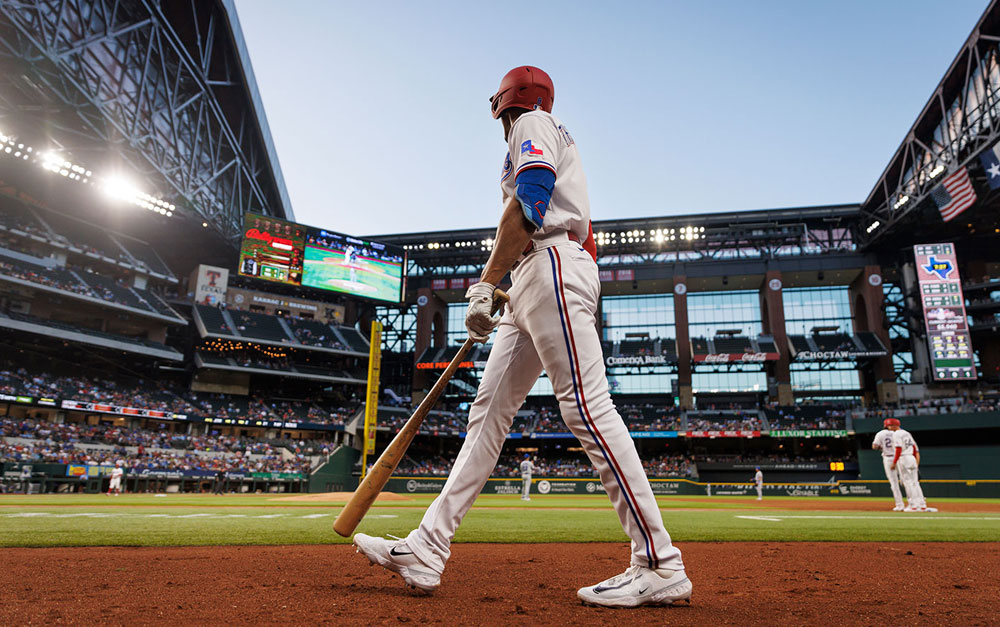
{"x": 479, "y": 320}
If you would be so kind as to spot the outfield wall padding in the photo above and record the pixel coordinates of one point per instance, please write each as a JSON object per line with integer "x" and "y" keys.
{"x": 561, "y": 485}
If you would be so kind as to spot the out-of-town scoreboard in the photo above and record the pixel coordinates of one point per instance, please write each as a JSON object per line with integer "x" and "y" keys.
{"x": 944, "y": 312}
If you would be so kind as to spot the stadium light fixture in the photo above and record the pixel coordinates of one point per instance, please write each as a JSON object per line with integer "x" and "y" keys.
{"x": 902, "y": 201}
{"x": 938, "y": 169}
{"x": 53, "y": 161}
{"x": 874, "y": 225}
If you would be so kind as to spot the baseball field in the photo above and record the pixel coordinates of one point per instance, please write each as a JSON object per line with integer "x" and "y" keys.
{"x": 265, "y": 558}
{"x": 374, "y": 278}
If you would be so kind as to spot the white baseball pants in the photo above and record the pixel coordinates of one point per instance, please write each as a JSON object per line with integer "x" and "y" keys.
{"x": 760, "y": 491}
{"x": 907, "y": 466}
{"x": 551, "y": 325}
{"x": 525, "y": 487}
{"x": 893, "y": 477}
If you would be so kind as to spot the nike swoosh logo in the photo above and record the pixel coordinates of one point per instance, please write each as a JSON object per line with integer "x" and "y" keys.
{"x": 396, "y": 553}
{"x": 643, "y": 591}
{"x": 599, "y": 589}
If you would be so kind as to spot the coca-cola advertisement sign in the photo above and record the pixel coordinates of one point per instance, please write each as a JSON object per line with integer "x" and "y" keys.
{"x": 734, "y": 358}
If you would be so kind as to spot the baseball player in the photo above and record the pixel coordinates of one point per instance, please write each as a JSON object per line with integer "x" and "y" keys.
{"x": 883, "y": 442}
{"x": 758, "y": 479}
{"x": 527, "y": 467}
{"x": 907, "y": 459}
{"x": 350, "y": 256}
{"x": 546, "y": 242}
{"x": 116, "y": 478}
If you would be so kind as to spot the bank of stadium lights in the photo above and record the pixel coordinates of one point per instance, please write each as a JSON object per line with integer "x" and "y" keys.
{"x": 52, "y": 161}
{"x": 874, "y": 225}
{"x": 656, "y": 236}
{"x": 901, "y": 201}
{"x": 122, "y": 189}
{"x": 938, "y": 169}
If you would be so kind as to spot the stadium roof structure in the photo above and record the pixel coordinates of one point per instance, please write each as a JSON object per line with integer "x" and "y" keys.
{"x": 161, "y": 90}
{"x": 959, "y": 122}
{"x": 758, "y": 234}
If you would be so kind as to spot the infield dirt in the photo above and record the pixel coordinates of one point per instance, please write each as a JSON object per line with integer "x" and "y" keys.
{"x": 734, "y": 584}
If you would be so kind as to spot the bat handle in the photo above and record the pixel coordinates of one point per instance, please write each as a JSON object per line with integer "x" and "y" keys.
{"x": 500, "y": 298}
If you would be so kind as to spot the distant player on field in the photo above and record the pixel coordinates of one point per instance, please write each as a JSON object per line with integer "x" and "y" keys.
{"x": 116, "y": 478}
{"x": 350, "y": 257}
{"x": 907, "y": 459}
{"x": 758, "y": 479}
{"x": 527, "y": 467}
{"x": 883, "y": 442}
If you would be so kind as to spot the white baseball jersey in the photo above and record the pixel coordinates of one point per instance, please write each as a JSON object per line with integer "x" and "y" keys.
{"x": 901, "y": 438}
{"x": 527, "y": 467}
{"x": 758, "y": 478}
{"x": 117, "y": 473}
{"x": 550, "y": 326}
{"x": 883, "y": 440}
{"x": 539, "y": 140}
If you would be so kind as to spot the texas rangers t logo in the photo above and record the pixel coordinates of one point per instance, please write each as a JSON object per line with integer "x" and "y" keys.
{"x": 526, "y": 147}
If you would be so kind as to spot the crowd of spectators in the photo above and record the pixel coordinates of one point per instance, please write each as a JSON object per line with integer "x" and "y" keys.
{"x": 59, "y": 281}
{"x": 436, "y": 466}
{"x": 510, "y": 466}
{"x": 671, "y": 466}
{"x": 142, "y": 394}
{"x": 953, "y": 405}
{"x": 309, "y": 336}
{"x": 139, "y": 449}
{"x": 806, "y": 417}
{"x": 727, "y": 420}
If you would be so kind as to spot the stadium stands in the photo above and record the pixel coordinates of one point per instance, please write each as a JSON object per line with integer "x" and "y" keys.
{"x": 699, "y": 346}
{"x": 352, "y": 338}
{"x": 733, "y": 344}
{"x": 35, "y": 441}
{"x": 314, "y": 333}
{"x": 124, "y": 339}
{"x": 214, "y": 320}
{"x": 832, "y": 341}
{"x": 259, "y": 326}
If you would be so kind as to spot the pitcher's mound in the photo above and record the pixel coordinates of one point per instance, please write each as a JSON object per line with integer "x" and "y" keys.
{"x": 341, "y": 497}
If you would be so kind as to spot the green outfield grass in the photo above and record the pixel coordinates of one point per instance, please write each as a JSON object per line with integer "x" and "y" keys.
{"x": 185, "y": 520}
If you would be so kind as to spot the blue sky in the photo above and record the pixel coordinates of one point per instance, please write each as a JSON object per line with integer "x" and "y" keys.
{"x": 380, "y": 114}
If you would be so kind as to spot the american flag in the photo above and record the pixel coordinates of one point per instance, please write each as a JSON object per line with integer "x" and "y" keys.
{"x": 954, "y": 195}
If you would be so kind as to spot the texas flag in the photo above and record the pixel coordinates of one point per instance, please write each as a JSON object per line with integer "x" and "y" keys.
{"x": 991, "y": 164}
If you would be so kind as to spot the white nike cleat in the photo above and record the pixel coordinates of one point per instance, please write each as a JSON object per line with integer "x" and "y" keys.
{"x": 397, "y": 557}
{"x": 898, "y": 508}
{"x": 927, "y": 509}
{"x": 637, "y": 586}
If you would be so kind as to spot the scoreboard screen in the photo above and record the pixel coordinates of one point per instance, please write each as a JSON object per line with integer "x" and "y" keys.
{"x": 944, "y": 312}
{"x": 295, "y": 254}
{"x": 341, "y": 263}
{"x": 272, "y": 249}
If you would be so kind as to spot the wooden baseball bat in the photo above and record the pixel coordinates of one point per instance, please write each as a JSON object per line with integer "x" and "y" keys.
{"x": 376, "y": 478}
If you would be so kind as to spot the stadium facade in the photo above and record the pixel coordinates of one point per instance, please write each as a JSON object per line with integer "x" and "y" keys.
{"x": 134, "y": 142}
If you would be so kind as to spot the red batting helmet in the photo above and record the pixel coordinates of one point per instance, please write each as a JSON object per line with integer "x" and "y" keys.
{"x": 526, "y": 87}
{"x": 890, "y": 422}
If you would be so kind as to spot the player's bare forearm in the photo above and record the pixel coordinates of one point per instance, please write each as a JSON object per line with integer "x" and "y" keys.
{"x": 513, "y": 235}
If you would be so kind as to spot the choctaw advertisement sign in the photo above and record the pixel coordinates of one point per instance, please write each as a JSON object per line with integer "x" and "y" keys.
{"x": 944, "y": 312}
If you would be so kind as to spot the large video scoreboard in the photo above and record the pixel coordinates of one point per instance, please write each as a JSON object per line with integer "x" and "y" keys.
{"x": 295, "y": 254}
{"x": 944, "y": 312}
